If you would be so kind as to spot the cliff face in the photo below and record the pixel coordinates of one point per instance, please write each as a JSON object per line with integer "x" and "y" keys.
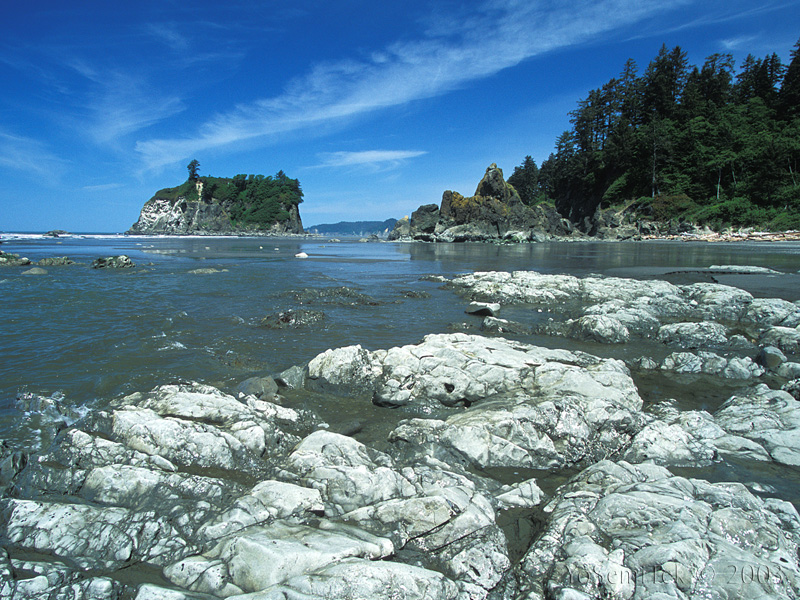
{"x": 201, "y": 214}
{"x": 494, "y": 212}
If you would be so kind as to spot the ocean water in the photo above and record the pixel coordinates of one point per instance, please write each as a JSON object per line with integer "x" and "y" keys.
{"x": 82, "y": 337}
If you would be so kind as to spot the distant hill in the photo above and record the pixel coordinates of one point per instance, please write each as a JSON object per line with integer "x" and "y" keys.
{"x": 360, "y": 228}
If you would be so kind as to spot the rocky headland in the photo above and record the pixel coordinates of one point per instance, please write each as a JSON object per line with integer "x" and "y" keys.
{"x": 217, "y": 206}
{"x": 496, "y": 213}
{"x": 514, "y": 470}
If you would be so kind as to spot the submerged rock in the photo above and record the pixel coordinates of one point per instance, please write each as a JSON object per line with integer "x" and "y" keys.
{"x": 415, "y": 294}
{"x": 56, "y": 261}
{"x": 292, "y": 318}
{"x": 343, "y": 296}
{"x": 771, "y": 358}
{"x": 113, "y": 262}
{"x": 495, "y": 325}
{"x": 207, "y": 271}
{"x": 8, "y": 259}
{"x": 264, "y": 388}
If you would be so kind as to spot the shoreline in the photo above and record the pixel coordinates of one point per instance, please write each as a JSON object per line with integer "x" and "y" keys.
{"x": 710, "y": 237}
{"x": 740, "y": 236}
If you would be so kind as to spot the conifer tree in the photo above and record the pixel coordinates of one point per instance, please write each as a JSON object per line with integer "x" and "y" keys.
{"x": 192, "y": 166}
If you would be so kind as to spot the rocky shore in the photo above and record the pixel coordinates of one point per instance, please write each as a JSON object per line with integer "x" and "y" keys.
{"x": 495, "y": 213}
{"x": 514, "y": 471}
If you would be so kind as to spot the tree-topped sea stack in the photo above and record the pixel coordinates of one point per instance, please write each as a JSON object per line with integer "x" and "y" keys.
{"x": 496, "y": 211}
{"x": 243, "y": 204}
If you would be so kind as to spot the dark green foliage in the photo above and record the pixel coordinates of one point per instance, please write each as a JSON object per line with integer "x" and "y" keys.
{"x": 789, "y": 95}
{"x": 263, "y": 200}
{"x": 666, "y": 208}
{"x": 251, "y": 201}
{"x": 192, "y": 166}
{"x": 525, "y": 180}
{"x": 187, "y": 190}
{"x": 704, "y": 143}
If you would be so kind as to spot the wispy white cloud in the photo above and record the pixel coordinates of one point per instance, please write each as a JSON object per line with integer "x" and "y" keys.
{"x": 374, "y": 158}
{"x": 456, "y": 51}
{"x": 169, "y": 35}
{"x": 725, "y": 12}
{"x": 119, "y": 103}
{"x": 103, "y": 187}
{"x": 30, "y": 157}
{"x": 737, "y": 42}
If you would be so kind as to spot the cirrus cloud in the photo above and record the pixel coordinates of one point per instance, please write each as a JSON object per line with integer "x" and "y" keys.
{"x": 454, "y": 51}
{"x": 368, "y": 157}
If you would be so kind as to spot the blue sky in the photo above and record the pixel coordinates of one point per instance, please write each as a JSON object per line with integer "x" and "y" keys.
{"x": 376, "y": 107}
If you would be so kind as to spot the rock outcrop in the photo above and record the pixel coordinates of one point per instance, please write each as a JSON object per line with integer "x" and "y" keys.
{"x": 197, "y": 211}
{"x": 215, "y": 497}
{"x": 612, "y": 310}
{"x": 7, "y": 259}
{"x": 494, "y": 212}
{"x": 619, "y": 530}
{"x": 113, "y": 262}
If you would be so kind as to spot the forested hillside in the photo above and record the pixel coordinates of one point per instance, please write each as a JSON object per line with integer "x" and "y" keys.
{"x": 716, "y": 144}
{"x": 253, "y": 204}
{"x": 254, "y": 199}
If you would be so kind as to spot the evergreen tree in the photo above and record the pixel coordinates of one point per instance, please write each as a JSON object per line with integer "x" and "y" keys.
{"x": 663, "y": 83}
{"x": 525, "y": 180}
{"x": 192, "y": 166}
{"x": 759, "y": 79}
{"x": 707, "y": 143}
{"x": 789, "y": 95}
